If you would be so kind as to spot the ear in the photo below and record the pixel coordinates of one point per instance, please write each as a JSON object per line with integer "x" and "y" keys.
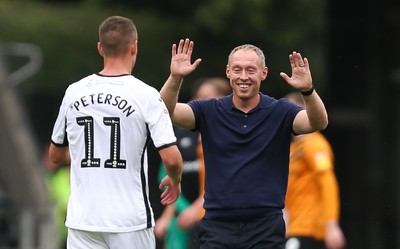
{"x": 100, "y": 49}
{"x": 264, "y": 73}
{"x": 227, "y": 71}
{"x": 134, "y": 47}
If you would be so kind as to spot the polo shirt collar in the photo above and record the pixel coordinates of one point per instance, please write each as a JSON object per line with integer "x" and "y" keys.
{"x": 263, "y": 104}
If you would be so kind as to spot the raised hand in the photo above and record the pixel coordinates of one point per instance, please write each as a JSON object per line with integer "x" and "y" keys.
{"x": 301, "y": 75}
{"x": 181, "y": 58}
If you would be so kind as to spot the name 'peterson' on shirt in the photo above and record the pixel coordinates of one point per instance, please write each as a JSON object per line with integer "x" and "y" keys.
{"x": 106, "y": 99}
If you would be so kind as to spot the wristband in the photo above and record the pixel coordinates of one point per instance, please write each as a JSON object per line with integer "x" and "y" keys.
{"x": 308, "y": 92}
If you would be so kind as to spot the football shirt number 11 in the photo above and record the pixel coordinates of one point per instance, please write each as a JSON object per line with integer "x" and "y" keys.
{"x": 114, "y": 160}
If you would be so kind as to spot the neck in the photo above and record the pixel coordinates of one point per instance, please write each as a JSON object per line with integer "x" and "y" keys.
{"x": 246, "y": 104}
{"x": 116, "y": 66}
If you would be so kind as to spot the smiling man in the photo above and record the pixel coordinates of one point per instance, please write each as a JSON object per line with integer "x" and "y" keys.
{"x": 246, "y": 139}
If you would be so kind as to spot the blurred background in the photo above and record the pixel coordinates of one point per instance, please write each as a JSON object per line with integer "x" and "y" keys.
{"x": 352, "y": 46}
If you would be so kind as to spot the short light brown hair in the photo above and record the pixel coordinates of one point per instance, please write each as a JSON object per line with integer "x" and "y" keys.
{"x": 116, "y": 33}
{"x": 258, "y": 51}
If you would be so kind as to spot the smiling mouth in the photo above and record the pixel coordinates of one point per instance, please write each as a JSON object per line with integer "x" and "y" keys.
{"x": 243, "y": 86}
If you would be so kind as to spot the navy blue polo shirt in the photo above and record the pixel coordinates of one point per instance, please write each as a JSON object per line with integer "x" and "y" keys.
{"x": 246, "y": 156}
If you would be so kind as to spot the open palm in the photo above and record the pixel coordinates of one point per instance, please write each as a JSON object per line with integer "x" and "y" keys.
{"x": 301, "y": 76}
{"x": 181, "y": 58}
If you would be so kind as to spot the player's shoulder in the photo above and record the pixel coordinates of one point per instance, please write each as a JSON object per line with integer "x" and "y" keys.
{"x": 315, "y": 140}
{"x": 83, "y": 81}
{"x": 137, "y": 86}
{"x": 74, "y": 88}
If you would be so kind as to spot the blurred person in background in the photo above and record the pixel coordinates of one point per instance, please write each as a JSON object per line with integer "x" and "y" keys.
{"x": 104, "y": 125}
{"x": 312, "y": 199}
{"x": 175, "y": 226}
{"x": 57, "y": 180}
{"x": 246, "y": 141}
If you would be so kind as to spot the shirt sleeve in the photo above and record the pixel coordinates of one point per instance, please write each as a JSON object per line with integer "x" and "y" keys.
{"x": 321, "y": 159}
{"x": 159, "y": 122}
{"x": 330, "y": 195}
{"x": 59, "y": 135}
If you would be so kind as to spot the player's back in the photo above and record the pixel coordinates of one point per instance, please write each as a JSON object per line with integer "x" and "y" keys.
{"x": 108, "y": 125}
{"x": 310, "y": 156}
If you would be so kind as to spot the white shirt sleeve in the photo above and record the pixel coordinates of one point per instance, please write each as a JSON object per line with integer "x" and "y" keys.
{"x": 59, "y": 134}
{"x": 159, "y": 121}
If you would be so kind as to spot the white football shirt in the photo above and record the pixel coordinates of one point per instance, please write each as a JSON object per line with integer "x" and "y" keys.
{"x": 107, "y": 122}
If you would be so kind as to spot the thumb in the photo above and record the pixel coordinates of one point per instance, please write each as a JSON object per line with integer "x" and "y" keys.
{"x": 196, "y": 63}
{"x": 284, "y": 76}
{"x": 162, "y": 185}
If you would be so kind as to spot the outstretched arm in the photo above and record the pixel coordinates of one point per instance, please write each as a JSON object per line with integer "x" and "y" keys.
{"x": 181, "y": 114}
{"x": 172, "y": 160}
{"x": 314, "y": 117}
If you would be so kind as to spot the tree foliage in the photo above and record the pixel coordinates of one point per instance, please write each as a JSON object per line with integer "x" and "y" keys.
{"x": 67, "y": 33}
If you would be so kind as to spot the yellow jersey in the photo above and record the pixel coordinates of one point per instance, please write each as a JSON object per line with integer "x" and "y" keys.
{"x": 312, "y": 196}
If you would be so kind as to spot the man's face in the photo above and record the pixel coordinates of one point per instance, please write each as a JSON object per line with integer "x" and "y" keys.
{"x": 246, "y": 71}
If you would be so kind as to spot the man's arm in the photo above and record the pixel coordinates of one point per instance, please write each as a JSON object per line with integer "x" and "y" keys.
{"x": 172, "y": 161}
{"x": 59, "y": 154}
{"x": 334, "y": 237}
{"x": 162, "y": 223}
{"x": 314, "y": 117}
{"x": 322, "y": 159}
{"x": 181, "y": 114}
{"x": 190, "y": 216}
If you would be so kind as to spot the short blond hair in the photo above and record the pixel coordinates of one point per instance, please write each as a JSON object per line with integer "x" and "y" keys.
{"x": 258, "y": 51}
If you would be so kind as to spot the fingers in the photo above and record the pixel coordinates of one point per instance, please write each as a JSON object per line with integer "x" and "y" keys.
{"x": 180, "y": 47}
{"x": 177, "y": 50}
{"x": 163, "y": 183}
{"x": 168, "y": 197}
{"x": 190, "y": 45}
{"x": 291, "y": 59}
{"x": 181, "y": 58}
{"x": 296, "y": 60}
{"x": 306, "y": 62}
{"x": 161, "y": 186}
{"x": 185, "y": 46}
{"x": 164, "y": 196}
{"x": 173, "y": 50}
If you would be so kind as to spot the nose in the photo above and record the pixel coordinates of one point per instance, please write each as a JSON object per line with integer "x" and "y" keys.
{"x": 243, "y": 75}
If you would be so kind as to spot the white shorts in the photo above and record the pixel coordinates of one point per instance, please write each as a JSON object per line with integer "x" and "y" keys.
{"x": 142, "y": 239}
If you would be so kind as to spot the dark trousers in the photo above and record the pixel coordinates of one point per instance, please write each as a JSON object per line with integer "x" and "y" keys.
{"x": 261, "y": 233}
{"x": 193, "y": 240}
{"x": 299, "y": 242}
